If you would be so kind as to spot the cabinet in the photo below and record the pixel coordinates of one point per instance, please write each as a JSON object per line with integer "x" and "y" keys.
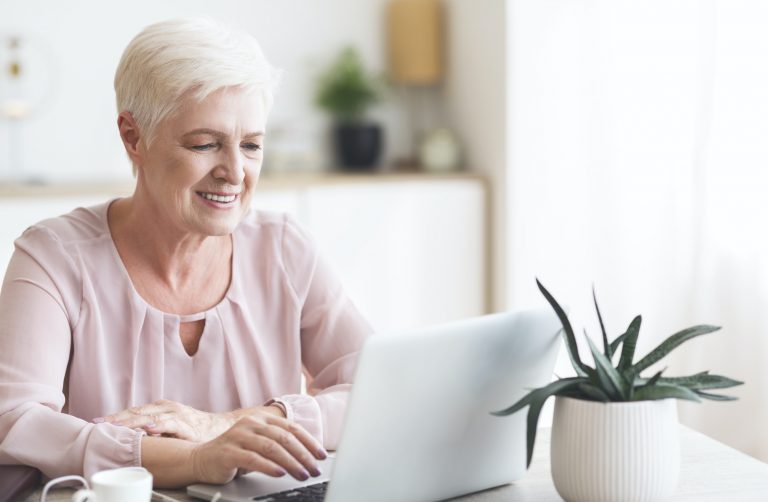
{"x": 410, "y": 250}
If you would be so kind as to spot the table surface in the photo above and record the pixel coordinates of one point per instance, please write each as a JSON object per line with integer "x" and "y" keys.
{"x": 710, "y": 471}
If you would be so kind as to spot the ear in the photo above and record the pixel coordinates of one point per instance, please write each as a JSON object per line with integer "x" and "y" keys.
{"x": 129, "y": 133}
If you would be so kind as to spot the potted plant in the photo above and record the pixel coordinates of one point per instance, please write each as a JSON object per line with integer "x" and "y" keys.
{"x": 615, "y": 432}
{"x": 346, "y": 91}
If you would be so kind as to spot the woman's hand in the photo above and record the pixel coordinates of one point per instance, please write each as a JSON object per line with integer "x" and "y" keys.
{"x": 172, "y": 419}
{"x": 262, "y": 442}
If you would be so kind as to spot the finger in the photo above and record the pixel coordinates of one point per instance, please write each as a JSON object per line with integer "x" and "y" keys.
{"x": 251, "y": 461}
{"x": 253, "y": 435}
{"x": 308, "y": 440}
{"x": 273, "y": 450}
{"x": 282, "y": 447}
{"x": 171, "y": 426}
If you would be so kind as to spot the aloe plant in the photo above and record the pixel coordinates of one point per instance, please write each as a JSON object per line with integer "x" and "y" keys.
{"x": 622, "y": 382}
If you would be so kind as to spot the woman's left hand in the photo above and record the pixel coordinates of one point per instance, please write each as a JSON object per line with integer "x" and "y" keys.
{"x": 172, "y": 419}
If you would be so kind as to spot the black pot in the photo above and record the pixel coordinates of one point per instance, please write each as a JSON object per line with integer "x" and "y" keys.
{"x": 358, "y": 146}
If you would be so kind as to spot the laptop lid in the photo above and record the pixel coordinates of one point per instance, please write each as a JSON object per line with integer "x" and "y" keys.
{"x": 418, "y": 424}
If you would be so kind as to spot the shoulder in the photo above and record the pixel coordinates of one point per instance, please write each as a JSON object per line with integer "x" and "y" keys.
{"x": 281, "y": 229}
{"x": 80, "y": 224}
{"x": 276, "y": 241}
{"x": 57, "y": 250}
{"x": 61, "y": 245}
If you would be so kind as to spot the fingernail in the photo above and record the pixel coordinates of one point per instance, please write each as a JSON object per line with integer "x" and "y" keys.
{"x": 315, "y": 472}
{"x": 322, "y": 454}
{"x": 280, "y": 472}
{"x": 98, "y": 420}
{"x": 303, "y": 475}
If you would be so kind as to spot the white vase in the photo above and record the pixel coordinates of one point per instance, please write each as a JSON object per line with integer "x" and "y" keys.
{"x": 615, "y": 452}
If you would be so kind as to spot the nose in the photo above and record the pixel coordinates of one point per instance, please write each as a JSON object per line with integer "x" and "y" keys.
{"x": 231, "y": 166}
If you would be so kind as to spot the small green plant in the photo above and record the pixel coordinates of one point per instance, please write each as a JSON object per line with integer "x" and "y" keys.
{"x": 345, "y": 90}
{"x": 623, "y": 382}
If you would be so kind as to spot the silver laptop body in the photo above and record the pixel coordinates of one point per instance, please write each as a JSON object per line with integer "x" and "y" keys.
{"x": 418, "y": 426}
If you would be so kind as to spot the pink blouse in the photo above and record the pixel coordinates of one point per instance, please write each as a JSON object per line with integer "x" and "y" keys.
{"x": 78, "y": 342}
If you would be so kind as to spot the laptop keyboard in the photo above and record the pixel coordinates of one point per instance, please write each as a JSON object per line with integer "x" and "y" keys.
{"x": 311, "y": 493}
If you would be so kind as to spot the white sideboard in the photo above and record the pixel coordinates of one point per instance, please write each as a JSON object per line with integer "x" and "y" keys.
{"x": 410, "y": 249}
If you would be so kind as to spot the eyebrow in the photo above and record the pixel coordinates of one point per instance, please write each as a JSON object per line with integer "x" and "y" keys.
{"x": 214, "y": 132}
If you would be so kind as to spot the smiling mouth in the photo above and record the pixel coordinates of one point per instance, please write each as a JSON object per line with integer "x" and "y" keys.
{"x": 219, "y": 198}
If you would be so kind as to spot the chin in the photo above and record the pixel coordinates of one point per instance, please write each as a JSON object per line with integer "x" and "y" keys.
{"x": 221, "y": 229}
{"x": 215, "y": 223}
{"x": 214, "y": 228}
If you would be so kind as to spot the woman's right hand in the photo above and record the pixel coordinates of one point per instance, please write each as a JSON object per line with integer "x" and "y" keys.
{"x": 264, "y": 443}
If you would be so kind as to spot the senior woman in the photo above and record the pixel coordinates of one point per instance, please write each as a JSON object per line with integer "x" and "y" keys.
{"x": 170, "y": 329}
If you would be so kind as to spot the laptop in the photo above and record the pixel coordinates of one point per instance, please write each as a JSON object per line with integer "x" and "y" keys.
{"x": 418, "y": 425}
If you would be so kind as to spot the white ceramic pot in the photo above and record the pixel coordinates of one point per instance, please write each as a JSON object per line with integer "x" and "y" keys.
{"x": 615, "y": 452}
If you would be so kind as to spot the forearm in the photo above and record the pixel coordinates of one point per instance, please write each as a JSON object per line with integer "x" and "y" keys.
{"x": 59, "y": 444}
{"x": 170, "y": 461}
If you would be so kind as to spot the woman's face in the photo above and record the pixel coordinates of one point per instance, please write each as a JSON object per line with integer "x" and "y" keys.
{"x": 202, "y": 167}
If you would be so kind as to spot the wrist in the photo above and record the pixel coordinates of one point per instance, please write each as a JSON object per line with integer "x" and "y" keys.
{"x": 277, "y": 408}
{"x": 196, "y": 464}
{"x": 227, "y": 419}
{"x": 171, "y": 461}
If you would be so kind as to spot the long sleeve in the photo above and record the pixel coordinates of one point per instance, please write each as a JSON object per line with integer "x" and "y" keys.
{"x": 332, "y": 334}
{"x": 37, "y": 316}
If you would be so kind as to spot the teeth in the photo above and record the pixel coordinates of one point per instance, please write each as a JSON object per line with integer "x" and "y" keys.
{"x": 219, "y": 198}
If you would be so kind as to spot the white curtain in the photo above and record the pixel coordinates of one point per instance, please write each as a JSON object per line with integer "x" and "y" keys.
{"x": 638, "y": 139}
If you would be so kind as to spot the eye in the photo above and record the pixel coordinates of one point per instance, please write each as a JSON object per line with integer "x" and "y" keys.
{"x": 204, "y": 148}
{"x": 251, "y": 146}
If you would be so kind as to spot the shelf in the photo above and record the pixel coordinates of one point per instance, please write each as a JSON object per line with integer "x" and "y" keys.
{"x": 269, "y": 181}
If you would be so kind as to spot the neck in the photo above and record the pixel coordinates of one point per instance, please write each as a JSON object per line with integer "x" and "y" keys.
{"x": 144, "y": 235}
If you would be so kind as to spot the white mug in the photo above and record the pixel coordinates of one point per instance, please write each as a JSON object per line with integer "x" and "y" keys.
{"x": 126, "y": 484}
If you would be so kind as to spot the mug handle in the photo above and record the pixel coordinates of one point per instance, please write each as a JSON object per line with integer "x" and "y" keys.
{"x": 81, "y": 495}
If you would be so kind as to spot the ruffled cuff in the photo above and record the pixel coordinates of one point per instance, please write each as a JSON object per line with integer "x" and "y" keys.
{"x": 137, "y": 446}
{"x": 303, "y": 410}
{"x": 111, "y": 446}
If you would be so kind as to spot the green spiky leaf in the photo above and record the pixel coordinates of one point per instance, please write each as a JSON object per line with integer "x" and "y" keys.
{"x": 610, "y": 379}
{"x": 606, "y": 346}
{"x": 630, "y": 342}
{"x": 618, "y": 341}
{"x": 570, "y": 337}
{"x": 715, "y": 397}
{"x": 649, "y": 393}
{"x": 703, "y": 381}
{"x": 547, "y": 390}
{"x": 535, "y": 401}
{"x": 648, "y": 382}
{"x": 592, "y": 391}
{"x": 670, "y": 344}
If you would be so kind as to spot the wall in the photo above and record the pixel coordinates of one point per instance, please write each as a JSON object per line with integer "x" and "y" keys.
{"x": 476, "y": 95}
{"x": 638, "y": 162}
{"x": 75, "y": 137}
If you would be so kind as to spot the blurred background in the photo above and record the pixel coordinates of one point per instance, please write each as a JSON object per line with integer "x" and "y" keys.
{"x": 620, "y": 144}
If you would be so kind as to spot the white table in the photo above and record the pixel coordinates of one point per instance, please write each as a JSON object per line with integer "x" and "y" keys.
{"x": 710, "y": 471}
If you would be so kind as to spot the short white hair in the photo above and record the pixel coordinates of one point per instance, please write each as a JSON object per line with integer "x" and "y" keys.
{"x": 190, "y": 55}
